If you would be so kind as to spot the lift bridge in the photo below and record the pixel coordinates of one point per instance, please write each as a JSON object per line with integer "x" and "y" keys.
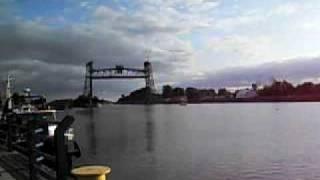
{"x": 118, "y": 72}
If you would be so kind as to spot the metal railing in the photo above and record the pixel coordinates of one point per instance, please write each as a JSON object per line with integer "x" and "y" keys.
{"x": 49, "y": 157}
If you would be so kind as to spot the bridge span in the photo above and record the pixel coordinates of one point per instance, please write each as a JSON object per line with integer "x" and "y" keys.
{"x": 117, "y": 72}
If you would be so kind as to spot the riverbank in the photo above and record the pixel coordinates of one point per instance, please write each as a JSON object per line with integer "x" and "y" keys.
{"x": 198, "y": 96}
{"x": 260, "y": 99}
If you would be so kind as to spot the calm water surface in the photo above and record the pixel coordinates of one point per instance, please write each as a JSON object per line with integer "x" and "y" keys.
{"x": 215, "y": 141}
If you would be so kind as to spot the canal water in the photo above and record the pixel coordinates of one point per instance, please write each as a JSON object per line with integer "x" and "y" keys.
{"x": 272, "y": 141}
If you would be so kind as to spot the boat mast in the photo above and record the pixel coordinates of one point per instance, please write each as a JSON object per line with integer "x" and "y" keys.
{"x": 8, "y": 92}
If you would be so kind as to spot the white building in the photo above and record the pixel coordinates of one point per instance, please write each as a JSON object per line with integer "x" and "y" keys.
{"x": 246, "y": 93}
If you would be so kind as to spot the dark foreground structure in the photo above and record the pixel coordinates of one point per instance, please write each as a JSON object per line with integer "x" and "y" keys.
{"x": 30, "y": 153}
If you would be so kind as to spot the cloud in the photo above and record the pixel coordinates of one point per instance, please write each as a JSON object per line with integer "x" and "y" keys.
{"x": 230, "y": 23}
{"x": 287, "y": 9}
{"x": 135, "y": 24}
{"x": 234, "y": 50}
{"x": 84, "y": 4}
{"x": 296, "y": 70}
{"x": 51, "y": 60}
{"x": 53, "y": 80}
{"x": 49, "y": 54}
{"x": 66, "y": 46}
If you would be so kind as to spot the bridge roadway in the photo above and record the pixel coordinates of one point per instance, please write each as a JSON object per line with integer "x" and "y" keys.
{"x": 117, "y": 77}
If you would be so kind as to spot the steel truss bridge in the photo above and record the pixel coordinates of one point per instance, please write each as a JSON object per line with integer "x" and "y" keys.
{"x": 118, "y": 72}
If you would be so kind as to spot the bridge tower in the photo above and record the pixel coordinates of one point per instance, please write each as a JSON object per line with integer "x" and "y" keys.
{"x": 88, "y": 80}
{"x": 149, "y": 76}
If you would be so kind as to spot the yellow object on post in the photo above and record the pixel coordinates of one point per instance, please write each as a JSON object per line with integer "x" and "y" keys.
{"x": 91, "y": 172}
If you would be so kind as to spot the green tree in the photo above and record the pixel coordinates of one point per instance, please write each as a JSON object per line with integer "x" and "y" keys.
{"x": 224, "y": 92}
{"x": 178, "y": 91}
{"x": 167, "y": 91}
{"x": 192, "y": 93}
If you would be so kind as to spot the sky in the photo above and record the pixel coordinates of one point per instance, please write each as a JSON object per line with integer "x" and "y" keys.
{"x": 45, "y": 44}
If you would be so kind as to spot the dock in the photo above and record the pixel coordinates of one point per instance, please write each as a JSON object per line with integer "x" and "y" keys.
{"x": 13, "y": 166}
{"x": 23, "y": 155}
{"x": 5, "y": 175}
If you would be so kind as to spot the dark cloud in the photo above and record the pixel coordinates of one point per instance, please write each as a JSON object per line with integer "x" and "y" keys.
{"x": 49, "y": 79}
{"x": 63, "y": 46}
{"x": 51, "y": 60}
{"x": 6, "y": 11}
{"x": 295, "y": 70}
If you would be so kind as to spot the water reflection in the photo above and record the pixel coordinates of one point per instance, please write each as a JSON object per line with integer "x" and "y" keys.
{"x": 91, "y": 132}
{"x": 149, "y": 131}
{"x": 216, "y": 141}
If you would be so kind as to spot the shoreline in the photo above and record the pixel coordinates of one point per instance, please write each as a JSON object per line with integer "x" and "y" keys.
{"x": 219, "y": 102}
{"x": 261, "y": 99}
{"x": 270, "y": 99}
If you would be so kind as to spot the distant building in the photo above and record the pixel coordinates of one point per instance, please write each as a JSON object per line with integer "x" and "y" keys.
{"x": 247, "y": 93}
